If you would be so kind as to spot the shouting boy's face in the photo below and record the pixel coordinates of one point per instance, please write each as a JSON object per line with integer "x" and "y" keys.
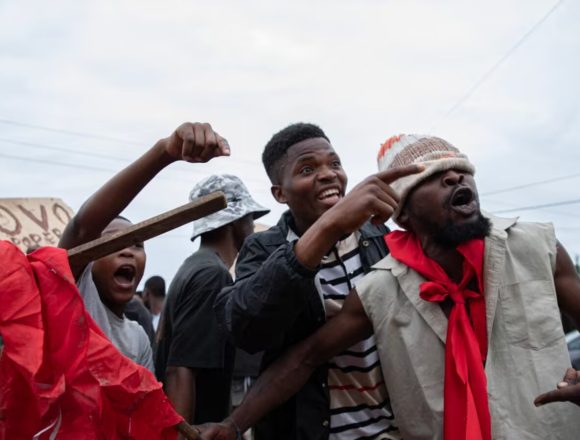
{"x": 117, "y": 275}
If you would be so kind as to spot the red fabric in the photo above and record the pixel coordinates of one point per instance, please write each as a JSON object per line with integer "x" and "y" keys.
{"x": 59, "y": 372}
{"x": 466, "y": 408}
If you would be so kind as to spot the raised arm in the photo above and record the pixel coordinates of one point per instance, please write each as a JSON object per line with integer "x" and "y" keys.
{"x": 192, "y": 142}
{"x": 288, "y": 374}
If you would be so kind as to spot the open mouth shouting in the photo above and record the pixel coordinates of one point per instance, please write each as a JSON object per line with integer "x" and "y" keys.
{"x": 463, "y": 201}
{"x": 124, "y": 276}
{"x": 329, "y": 196}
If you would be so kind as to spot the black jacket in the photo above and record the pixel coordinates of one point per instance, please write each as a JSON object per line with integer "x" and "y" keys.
{"x": 274, "y": 304}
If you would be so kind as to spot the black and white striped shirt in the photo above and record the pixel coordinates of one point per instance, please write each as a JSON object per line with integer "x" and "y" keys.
{"x": 359, "y": 403}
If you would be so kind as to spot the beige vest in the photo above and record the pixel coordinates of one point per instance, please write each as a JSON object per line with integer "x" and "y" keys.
{"x": 527, "y": 353}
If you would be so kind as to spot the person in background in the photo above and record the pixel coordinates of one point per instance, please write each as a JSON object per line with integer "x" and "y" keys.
{"x": 109, "y": 283}
{"x": 154, "y": 291}
{"x": 136, "y": 311}
{"x": 194, "y": 357}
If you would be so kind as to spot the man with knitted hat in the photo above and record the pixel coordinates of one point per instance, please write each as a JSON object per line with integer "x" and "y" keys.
{"x": 465, "y": 310}
{"x": 194, "y": 359}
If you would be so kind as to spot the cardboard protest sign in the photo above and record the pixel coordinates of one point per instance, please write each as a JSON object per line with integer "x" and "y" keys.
{"x": 33, "y": 222}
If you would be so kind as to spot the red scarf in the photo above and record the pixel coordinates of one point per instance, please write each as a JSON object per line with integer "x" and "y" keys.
{"x": 466, "y": 410}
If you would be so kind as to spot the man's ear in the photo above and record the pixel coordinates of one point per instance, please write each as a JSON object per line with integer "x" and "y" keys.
{"x": 278, "y": 194}
{"x": 403, "y": 219}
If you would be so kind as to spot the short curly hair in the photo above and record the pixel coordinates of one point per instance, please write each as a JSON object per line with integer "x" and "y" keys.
{"x": 276, "y": 149}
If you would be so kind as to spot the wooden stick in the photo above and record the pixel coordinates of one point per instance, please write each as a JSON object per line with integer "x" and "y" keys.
{"x": 95, "y": 249}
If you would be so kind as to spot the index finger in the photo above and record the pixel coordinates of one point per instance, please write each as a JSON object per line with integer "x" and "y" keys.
{"x": 566, "y": 394}
{"x": 392, "y": 174}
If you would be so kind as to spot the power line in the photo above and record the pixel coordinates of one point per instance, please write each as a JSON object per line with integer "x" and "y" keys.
{"x": 69, "y": 132}
{"x": 64, "y": 150}
{"x": 124, "y": 160}
{"x": 89, "y": 135}
{"x": 530, "y": 184}
{"x": 533, "y": 207}
{"x": 77, "y": 166}
{"x": 499, "y": 62}
{"x": 551, "y": 211}
{"x": 102, "y": 169}
{"x": 54, "y": 162}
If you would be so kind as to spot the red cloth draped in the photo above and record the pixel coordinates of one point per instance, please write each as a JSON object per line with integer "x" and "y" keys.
{"x": 59, "y": 372}
{"x": 466, "y": 408}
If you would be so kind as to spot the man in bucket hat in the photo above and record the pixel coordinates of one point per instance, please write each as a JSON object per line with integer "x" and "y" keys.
{"x": 465, "y": 310}
{"x": 194, "y": 359}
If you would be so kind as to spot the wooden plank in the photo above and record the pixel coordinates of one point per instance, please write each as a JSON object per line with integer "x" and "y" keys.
{"x": 147, "y": 229}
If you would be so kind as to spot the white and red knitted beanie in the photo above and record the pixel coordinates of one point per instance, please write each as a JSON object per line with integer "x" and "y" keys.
{"x": 434, "y": 153}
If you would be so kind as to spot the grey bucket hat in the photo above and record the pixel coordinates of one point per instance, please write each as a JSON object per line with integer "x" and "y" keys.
{"x": 240, "y": 203}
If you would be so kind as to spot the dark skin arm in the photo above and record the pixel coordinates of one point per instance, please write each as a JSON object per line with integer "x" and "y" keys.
{"x": 567, "y": 285}
{"x": 568, "y": 291}
{"x": 180, "y": 388}
{"x": 192, "y": 142}
{"x": 289, "y": 373}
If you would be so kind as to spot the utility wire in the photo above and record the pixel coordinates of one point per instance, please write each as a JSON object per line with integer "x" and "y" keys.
{"x": 124, "y": 160}
{"x": 551, "y": 211}
{"x": 107, "y": 170}
{"x": 530, "y": 184}
{"x": 127, "y": 160}
{"x": 90, "y": 135}
{"x": 534, "y": 207}
{"x": 54, "y": 162}
{"x": 76, "y": 166}
{"x": 117, "y": 158}
{"x": 499, "y": 62}
{"x": 69, "y": 132}
{"x": 64, "y": 150}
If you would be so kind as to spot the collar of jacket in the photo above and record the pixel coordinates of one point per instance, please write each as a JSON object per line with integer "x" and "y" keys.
{"x": 367, "y": 230}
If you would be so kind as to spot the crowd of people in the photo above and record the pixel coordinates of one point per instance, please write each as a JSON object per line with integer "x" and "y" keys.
{"x": 447, "y": 328}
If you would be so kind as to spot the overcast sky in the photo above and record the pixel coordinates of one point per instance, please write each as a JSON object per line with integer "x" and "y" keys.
{"x": 497, "y": 79}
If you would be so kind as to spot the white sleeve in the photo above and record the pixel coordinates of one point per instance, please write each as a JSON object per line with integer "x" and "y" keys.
{"x": 92, "y": 300}
{"x": 145, "y": 357}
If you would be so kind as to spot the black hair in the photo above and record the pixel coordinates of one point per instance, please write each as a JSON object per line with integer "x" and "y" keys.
{"x": 276, "y": 149}
{"x": 156, "y": 285}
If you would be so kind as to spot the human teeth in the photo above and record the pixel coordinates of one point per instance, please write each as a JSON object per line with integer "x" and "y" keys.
{"x": 328, "y": 193}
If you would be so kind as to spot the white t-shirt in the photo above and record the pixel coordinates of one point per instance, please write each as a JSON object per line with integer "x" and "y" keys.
{"x": 128, "y": 336}
{"x": 155, "y": 321}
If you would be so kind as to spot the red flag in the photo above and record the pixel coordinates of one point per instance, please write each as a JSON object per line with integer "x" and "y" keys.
{"x": 59, "y": 373}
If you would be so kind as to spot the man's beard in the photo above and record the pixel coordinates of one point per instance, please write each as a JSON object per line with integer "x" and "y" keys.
{"x": 451, "y": 234}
